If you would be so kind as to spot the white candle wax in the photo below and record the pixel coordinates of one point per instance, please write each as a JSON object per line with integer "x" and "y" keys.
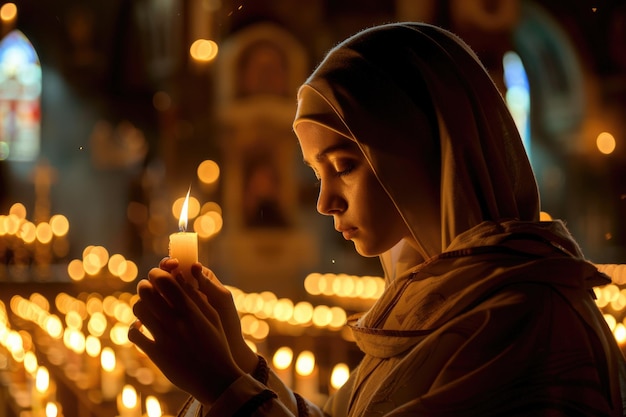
{"x": 184, "y": 247}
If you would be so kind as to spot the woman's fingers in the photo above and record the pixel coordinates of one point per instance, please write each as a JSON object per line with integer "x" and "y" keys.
{"x": 168, "y": 264}
{"x": 143, "y": 342}
{"x": 217, "y": 295}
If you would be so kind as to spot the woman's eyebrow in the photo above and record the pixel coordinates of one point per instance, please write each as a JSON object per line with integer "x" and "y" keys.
{"x": 330, "y": 149}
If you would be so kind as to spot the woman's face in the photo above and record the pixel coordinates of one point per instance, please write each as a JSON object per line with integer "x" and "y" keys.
{"x": 350, "y": 192}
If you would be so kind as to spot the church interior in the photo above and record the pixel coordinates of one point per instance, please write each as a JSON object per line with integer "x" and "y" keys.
{"x": 126, "y": 122}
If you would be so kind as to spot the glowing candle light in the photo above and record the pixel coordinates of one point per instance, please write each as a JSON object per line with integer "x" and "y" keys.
{"x": 44, "y": 391}
{"x": 112, "y": 375}
{"x": 184, "y": 245}
{"x": 128, "y": 403}
{"x": 52, "y": 410}
{"x": 283, "y": 357}
{"x": 153, "y": 407}
{"x": 339, "y": 376}
{"x": 307, "y": 375}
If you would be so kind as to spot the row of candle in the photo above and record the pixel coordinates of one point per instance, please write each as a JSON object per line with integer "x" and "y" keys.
{"x": 95, "y": 313}
{"x": 305, "y": 371}
{"x": 33, "y": 243}
{"x": 42, "y": 398}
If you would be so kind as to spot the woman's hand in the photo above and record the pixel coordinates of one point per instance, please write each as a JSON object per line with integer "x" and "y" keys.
{"x": 221, "y": 299}
{"x": 190, "y": 346}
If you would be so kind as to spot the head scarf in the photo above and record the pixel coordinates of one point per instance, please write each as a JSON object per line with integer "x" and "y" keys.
{"x": 432, "y": 125}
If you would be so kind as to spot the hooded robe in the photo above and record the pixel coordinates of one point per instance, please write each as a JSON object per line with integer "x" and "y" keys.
{"x": 492, "y": 312}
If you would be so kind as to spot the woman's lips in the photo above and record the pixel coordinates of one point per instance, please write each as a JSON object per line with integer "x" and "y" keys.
{"x": 348, "y": 233}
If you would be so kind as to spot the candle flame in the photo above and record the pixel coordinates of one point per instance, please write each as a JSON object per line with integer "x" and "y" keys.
{"x": 184, "y": 213}
{"x": 305, "y": 364}
{"x": 153, "y": 407}
{"x": 129, "y": 396}
{"x": 107, "y": 359}
{"x": 42, "y": 379}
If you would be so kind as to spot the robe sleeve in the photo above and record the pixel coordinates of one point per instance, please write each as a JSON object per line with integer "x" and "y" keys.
{"x": 248, "y": 397}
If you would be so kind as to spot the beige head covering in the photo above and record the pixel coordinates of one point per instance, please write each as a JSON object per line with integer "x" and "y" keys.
{"x": 432, "y": 125}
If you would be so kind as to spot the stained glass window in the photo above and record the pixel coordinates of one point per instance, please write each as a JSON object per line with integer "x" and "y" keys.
{"x": 20, "y": 98}
{"x": 518, "y": 95}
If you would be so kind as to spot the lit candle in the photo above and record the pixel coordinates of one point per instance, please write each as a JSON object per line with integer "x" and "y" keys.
{"x": 184, "y": 245}
{"x": 282, "y": 360}
{"x": 52, "y": 409}
{"x": 153, "y": 407}
{"x": 128, "y": 402}
{"x": 40, "y": 392}
{"x": 338, "y": 377}
{"x": 112, "y": 375}
{"x": 307, "y": 374}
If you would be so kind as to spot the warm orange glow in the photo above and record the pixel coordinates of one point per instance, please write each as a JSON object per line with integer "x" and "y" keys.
{"x": 117, "y": 264}
{"x": 60, "y": 225}
{"x": 303, "y": 312}
{"x": 129, "y": 396}
{"x": 322, "y": 316}
{"x": 42, "y": 379}
{"x": 339, "y": 317}
{"x": 130, "y": 271}
{"x": 93, "y": 346}
{"x": 107, "y": 359}
{"x": 249, "y": 324}
{"x": 19, "y": 210}
{"x": 208, "y": 171}
{"x": 74, "y": 340}
{"x": 605, "y": 143}
{"x": 339, "y": 375}
{"x": 305, "y": 364}
{"x": 153, "y": 407}
{"x": 28, "y": 232}
{"x": 12, "y": 224}
{"x": 283, "y": 310}
{"x": 204, "y": 226}
{"x": 208, "y": 225}
{"x": 98, "y": 256}
{"x": 73, "y": 320}
{"x": 53, "y": 326}
{"x": 97, "y": 324}
{"x": 620, "y": 333}
{"x": 8, "y": 12}
{"x": 203, "y": 50}
{"x": 30, "y": 363}
{"x": 262, "y": 330}
{"x": 75, "y": 270}
{"x": 119, "y": 334}
{"x": 44, "y": 232}
{"x": 91, "y": 264}
{"x": 211, "y": 206}
{"x": 544, "y": 216}
{"x": 282, "y": 358}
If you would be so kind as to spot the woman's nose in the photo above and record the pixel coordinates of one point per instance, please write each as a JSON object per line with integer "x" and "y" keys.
{"x": 329, "y": 202}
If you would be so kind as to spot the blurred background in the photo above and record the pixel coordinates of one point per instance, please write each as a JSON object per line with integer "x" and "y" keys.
{"x": 110, "y": 112}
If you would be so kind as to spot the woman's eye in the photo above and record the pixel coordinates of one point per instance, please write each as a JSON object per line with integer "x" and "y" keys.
{"x": 345, "y": 170}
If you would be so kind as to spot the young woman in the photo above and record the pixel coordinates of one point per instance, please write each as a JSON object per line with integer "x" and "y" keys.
{"x": 487, "y": 310}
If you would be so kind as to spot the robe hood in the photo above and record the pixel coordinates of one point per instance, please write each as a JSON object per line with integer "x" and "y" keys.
{"x": 433, "y": 127}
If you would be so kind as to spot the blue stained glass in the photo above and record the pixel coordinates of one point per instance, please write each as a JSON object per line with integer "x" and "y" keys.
{"x": 15, "y": 47}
